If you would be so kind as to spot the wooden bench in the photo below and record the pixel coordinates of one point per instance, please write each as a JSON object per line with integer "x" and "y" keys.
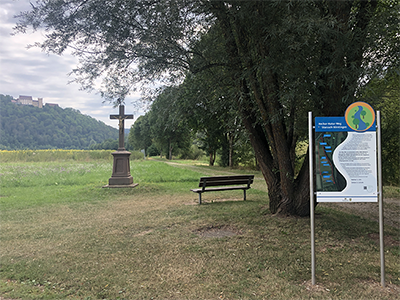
{"x": 224, "y": 183}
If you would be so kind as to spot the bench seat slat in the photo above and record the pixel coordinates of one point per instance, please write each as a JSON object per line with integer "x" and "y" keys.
{"x": 230, "y": 177}
{"x": 225, "y": 182}
{"x": 220, "y": 189}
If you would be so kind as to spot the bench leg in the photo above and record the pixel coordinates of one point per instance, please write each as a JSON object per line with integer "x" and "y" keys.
{"x": 244, "y": 195}
{"x": 199, "y": 198}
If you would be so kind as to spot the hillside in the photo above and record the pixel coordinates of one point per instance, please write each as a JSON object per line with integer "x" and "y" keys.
{"x": 28, "y": 127}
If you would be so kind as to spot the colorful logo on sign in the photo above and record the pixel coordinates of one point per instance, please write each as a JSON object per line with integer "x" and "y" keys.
{"x": 360, "y": 116}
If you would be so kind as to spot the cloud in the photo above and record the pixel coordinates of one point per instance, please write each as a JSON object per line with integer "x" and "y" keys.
{"x": 32, "y": 72}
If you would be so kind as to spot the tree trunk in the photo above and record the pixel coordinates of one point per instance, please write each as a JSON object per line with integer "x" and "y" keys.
{"x": 230, "y": 137}
{"x": 302, "y": 189}
{"x": 287, "y": 196}
{"x": 170, "y": 150}
{"x": 271, "y": 140}
{"x": 212, "y": 158}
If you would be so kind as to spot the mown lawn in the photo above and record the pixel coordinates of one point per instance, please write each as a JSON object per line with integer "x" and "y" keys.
{"x": 63, "y": 236}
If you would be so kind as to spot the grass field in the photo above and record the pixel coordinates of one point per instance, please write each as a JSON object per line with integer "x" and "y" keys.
{"x": 64, "y": 237}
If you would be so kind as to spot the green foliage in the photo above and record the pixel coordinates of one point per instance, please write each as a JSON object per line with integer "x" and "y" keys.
{"x": 169, "y": 130}
{"x": 384, "y": 94}
{"x": 207, "y": 102}
{"x": 152, "y": 151}
{"x": 140, "y": 134}
{"x": 108, "y": 144}
{"x": 195, "y": 153}
{"x": 28, "y": 127}
{"x": 136, "y": 155}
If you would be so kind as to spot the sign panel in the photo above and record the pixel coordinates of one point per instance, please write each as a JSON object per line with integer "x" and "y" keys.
{"x": 345, "y": 150}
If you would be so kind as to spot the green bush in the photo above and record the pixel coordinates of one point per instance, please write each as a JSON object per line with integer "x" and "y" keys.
{"x": 136, "y": 155}
{"x": 152, "y": 151}
{"x": 193, "y": 153}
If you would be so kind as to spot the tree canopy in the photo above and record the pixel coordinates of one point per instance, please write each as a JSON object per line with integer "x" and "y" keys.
{"x": 168, "y": 129}
{"x": 273, "y": 60}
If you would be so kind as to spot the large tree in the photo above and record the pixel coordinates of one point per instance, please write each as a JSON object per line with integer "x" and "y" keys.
{"x": 203, "y": 102}
{"x": 140, "y": 134}
{"x": 199, "y": 104}
{"x": 282, "y": 58}
{"x": 169, "y": 130}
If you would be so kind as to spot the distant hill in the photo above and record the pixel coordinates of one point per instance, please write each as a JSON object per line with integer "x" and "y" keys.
{"x": 28, "y": 127}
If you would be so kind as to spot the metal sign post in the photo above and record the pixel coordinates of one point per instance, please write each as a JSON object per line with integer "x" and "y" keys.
{"x": 311, "y": 166}
{"x": 380, "y": 196}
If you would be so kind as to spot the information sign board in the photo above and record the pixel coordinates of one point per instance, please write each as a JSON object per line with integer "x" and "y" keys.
{"x": 345, "y": 147}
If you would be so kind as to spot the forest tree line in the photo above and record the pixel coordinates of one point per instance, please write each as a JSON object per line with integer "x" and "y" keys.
{"x": 176, "y": 127}
{"x": 28, "y": 127}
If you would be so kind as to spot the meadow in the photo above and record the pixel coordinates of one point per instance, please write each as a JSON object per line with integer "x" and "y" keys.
{"x": 63, "y": 236}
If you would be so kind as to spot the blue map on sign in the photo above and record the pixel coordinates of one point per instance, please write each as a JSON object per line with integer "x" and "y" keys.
{"x": 359, "y": 120}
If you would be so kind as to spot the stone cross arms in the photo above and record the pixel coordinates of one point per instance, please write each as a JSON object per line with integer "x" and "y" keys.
{"x": 121, "y": 117}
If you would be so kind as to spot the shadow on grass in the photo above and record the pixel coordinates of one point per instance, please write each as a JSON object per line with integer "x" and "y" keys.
{"x": 344, "y": 225}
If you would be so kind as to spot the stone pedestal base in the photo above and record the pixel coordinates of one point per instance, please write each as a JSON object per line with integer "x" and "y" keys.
{"x": 121, "y": 175}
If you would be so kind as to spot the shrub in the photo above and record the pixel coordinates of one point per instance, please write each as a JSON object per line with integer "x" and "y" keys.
{"x": 136, "y": 155}
{"x": 152, "y": 151}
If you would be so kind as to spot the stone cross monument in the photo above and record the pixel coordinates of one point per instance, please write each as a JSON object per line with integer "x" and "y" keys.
{"x": 121, "y": 175}
{"x": 121, "y": 117}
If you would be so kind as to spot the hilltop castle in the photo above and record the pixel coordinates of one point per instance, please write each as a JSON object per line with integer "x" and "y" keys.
{"x": 28, "y": 100}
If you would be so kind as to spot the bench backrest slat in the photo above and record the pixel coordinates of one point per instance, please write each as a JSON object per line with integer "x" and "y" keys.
{"x": 226, "y": 180}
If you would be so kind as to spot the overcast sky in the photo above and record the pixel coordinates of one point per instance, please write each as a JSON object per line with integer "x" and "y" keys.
{"x": 30, "y": 72}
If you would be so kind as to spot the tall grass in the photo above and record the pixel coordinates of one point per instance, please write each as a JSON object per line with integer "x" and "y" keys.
{"x": 27, "y": 184}
{"x": 59, "y": 155}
